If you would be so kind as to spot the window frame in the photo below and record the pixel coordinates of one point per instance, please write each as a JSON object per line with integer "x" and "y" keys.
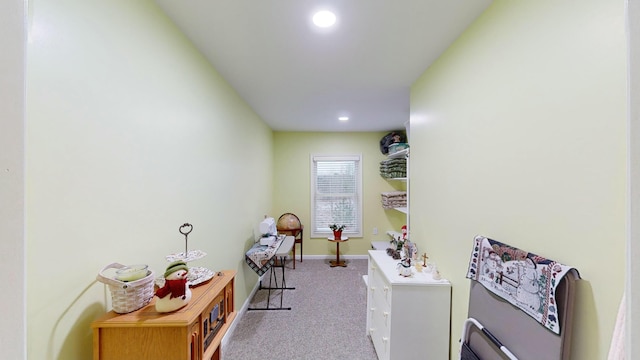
{"x": 318, "y": 233}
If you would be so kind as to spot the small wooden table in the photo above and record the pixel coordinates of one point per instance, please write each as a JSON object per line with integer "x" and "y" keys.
{"x": 337, "y": 261}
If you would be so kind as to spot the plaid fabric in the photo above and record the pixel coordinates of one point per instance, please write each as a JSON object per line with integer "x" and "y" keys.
{"x": 260, "y": 270}
{"x": 260, "y": 258}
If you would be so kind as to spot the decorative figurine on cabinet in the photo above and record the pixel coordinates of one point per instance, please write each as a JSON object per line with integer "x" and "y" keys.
{"x": 404, "y": 267}
{"x": 175, "y": 293}
{"x": 410, "y": 250}
{"x": 436, "y": 273}
{"x": 424, "y": 258}
{"x": 418, "y": 266}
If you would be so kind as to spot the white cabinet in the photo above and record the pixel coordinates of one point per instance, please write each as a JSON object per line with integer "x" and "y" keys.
{"x": 407, "y": 317}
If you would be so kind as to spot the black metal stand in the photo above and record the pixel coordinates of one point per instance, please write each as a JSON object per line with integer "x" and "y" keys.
{"x": 282, "y": 288}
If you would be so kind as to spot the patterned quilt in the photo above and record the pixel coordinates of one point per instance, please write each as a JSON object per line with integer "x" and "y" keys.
{"x": 261, "y": 258}
{"x": 524, "y": 279}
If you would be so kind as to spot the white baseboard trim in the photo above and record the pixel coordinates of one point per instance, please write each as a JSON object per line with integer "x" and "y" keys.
{"x": 331, "y": 257}
{"x": 241, "y": 312}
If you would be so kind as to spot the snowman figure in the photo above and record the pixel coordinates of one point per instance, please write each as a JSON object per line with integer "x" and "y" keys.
{"x": 175, "y": 293}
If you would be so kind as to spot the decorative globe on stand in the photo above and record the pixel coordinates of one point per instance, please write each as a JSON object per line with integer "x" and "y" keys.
{"x": 288, "y": 222}
{"x": 289, "y": 225}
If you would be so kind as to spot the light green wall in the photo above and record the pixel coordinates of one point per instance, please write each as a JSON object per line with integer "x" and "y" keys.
{"x": 130, "y": 133}
{"x": 518, "y": 133}
{"x": 12, "y": 207}
{"x": 632, "y": 339}
{"x": 292, "y": 151}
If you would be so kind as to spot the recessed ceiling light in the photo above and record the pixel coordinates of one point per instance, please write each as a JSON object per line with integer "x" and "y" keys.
{"x": 324, "y": 18}
{"x": 343, "y": 118}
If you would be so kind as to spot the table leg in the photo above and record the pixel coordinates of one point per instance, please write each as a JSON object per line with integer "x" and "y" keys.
{"x": 273, "y": 279}
{"x": 337, "y": 262}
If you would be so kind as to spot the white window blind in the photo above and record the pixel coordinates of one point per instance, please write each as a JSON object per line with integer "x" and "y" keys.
{"x": 336, "y": 194}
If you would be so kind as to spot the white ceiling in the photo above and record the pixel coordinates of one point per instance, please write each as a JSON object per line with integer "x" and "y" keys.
{"x": 298, "y": 78}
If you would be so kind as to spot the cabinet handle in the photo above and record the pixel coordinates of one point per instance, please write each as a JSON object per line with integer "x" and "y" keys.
{"x": 385, "y": 313}
{"x": 373, "y": 288}
{"x": 193, "y": 346}
{"x": 385, "y": 339}
{"x": 386, "y": 288}
{"x": 372, "y": 330}
{"x": 373, "y": 309}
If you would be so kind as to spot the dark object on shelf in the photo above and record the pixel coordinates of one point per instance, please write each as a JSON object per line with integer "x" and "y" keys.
{"x": 395, "y": 254}
{"x": 391, "y": 138}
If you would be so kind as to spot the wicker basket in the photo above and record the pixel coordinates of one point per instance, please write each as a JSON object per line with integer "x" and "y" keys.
{"x": 128, "y": 296}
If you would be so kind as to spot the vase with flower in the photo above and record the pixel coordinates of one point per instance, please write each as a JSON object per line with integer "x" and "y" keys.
{"x": 337, "y": 231}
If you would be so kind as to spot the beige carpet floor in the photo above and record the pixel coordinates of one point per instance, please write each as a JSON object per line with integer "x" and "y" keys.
{"x": 327, "y": 319}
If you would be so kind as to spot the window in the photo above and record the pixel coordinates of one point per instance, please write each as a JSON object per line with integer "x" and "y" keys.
{"x": 336, "y": 194}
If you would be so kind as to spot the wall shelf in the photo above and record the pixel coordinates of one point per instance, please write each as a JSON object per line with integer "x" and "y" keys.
{"x": 402, "y": 154}
{"x": 399, "y": 154}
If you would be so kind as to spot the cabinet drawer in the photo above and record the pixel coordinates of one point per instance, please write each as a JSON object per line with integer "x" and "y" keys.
{"x": 382, "y": 293}
{"x": 380, "y": 289}
{"x": 382, "y": 321}
{"x": 126, "y": 343}
{"x": 374, "y": 272}
{"x": 380, "y": 309}
{"x": 380, "y": 329}
{"x": 381, "y": 344}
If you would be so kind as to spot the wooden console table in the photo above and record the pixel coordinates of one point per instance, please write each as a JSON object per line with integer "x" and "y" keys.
{"x": 193, "y": 332}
